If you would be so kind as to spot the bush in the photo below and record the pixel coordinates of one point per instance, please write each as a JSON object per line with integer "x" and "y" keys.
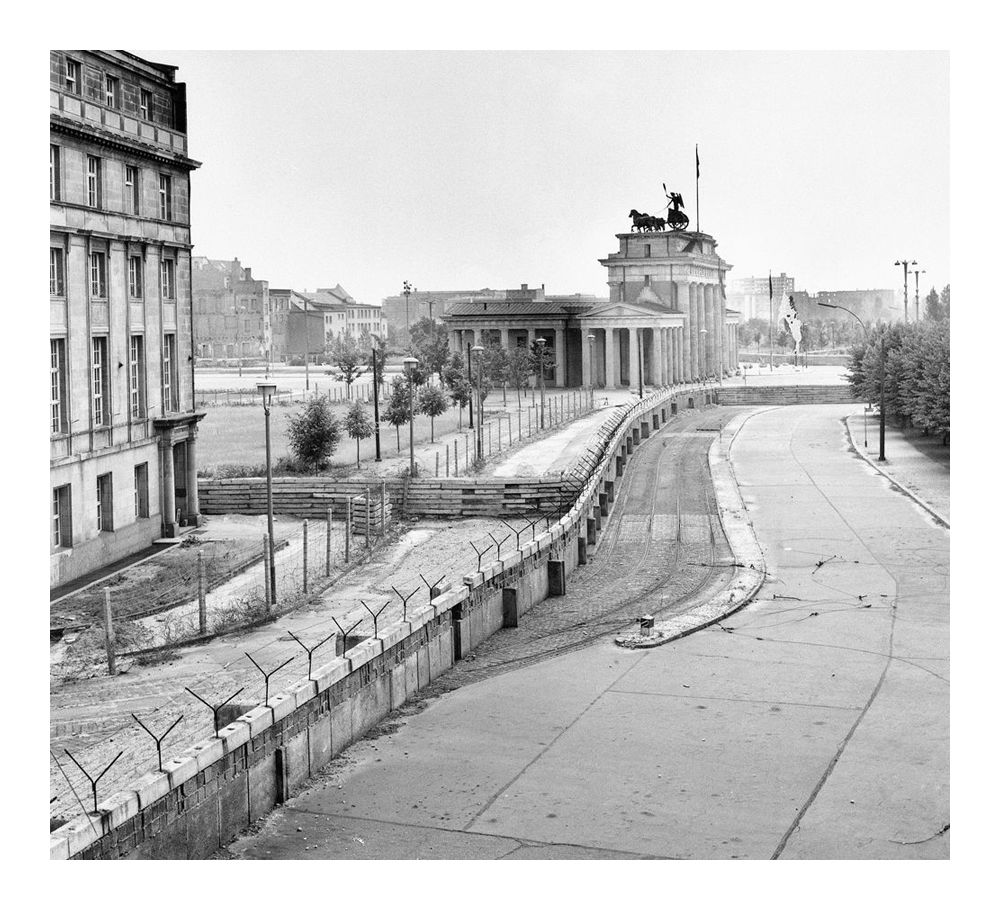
{"x": 313, "y": 434}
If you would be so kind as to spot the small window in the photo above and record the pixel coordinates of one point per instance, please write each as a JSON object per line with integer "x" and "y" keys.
{"x": 54, "y": 175}
{"x": 135, "y": 276}
{"x": 98, "y": 275}
{"x": 72, "y": 76}
{"x": 137, "y": 377}
{"x": 166, "y": 202}
{"x": 62, "y": 517}
{"x": 112, "y": 91}
{"x": 132, "y": 189}
{"x": 105, "y": 503}
{"x": 142, "y": 490}
{"x": 648, "y": 250}
{"x": 93, "y": 181}
{"x": 56, "y": 283}
{"x": 58, "y": 373}
{"x": 167, "y": 283}
{"x": 100, "y": 383}
{"x": 145, "y": 103}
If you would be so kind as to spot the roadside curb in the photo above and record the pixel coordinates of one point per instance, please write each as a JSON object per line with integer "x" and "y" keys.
{"x": 748, "y": 556}
{"x": 893, "y": 480}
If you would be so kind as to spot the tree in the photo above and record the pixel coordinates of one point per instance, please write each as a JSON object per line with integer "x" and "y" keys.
{"x": 313, "y": 433}
{"x": 359, "y": 425}
{"x": 946, "y": 301}
{"x": 461, "y": 394}
{"x": 348, "y": 360}
{"x": 933, "y": 311}
{"x": 496, "y": 366}
{"x": 433, "y": 403}
{"x": 543, "y": 359}
{"x": 430, "y": 344}
{"x": 519, "y": 369}
{"x": 396, "y": 410}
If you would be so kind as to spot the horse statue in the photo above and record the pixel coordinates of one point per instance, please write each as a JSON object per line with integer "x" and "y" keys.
{"x": 643, "y": 222}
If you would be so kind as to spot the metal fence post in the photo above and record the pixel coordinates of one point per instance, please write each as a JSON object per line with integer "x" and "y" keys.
{"x": 109, "y": 632}
{"x": 329, "y": 539}
{"x": 305, "y": 556}
{"x": 368, "y": 517}
{"x": 456, "y": 457}
{"x": 202, "y": 610}
{"x": 382, "y": 510}
{"x": 447, "y": 462}
{"x": 347, "y": 529}
{"x": 437, "y": 463}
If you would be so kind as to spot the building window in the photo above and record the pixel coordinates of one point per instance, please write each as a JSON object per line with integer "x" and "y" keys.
{"x": 137, "y": 377}
{"x": 62, "y": 517}
{"x": 105, "y": 503}
{"x": 646, "y": 280}
{"x": 132, "y": 189}
{"x": 167, "y": 285}
{"x": 166, "y": 203}
{"x": 93, "y": 181}
{"x": 135, "y": 276}
{"x": 145, "y": 103}
{"x": 100, "y": 382}
{"x": 57, "y": 368}
{"x": 98, "y": 275}
{"x": 72, "y": 76}
{"x": 112, "y": 93}
{"x": 55, "y": 272}
{"x": 54, "y": 173}
{"x": 170, "y": 372}
{"x": 142, "y": 490}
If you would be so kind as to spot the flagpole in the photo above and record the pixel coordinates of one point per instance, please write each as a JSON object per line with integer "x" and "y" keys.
{"x": 770, "y": 319}
{"x": 697, "y": 198}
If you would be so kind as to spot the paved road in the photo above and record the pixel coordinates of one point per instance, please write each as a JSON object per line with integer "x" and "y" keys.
{"x": 812, "y": 725}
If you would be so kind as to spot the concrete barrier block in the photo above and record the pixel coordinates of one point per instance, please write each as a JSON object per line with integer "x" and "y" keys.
{"x": 150, "y": 787}
{"x": 412, "y": 675}
{"x": 419, "y": 616}
{"x": 233, "y": 736}
{"x": 492, "y": 571}
{"x": 181, "y": 769}
{"x": 282, "y": 705}
{"x": 394, "y": 634}
{"x": 544, "y": 541}
{"x": 360, "y": 654}
{"x": 512, "y": 560}
{"x": 398, "y": 686}
{"x": 207, "y": 752}
{"x": 58, "y": 846}
{"x": 472, "y": 580}
{"x": 450, "y": 599}
{"x": 303, "y": 691}
{"x": 80, "y": 833}
{"x": 119, "y": 808}
{"x": 257, "y": 719}
{"x": 331, "y": 672}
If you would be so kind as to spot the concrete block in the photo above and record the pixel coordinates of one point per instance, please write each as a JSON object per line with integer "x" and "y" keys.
{"x": 263, "y": 787}
{"x": 360, "y": 654}
{"x": 512, "y": 560}
{"x": 282, "y": 705}
{"x": 544, "y": 541}
{"x": 181, "y": 769}
{"x": 472, "y": 580}
{"x": 234, "y": 807}
{"x": 450, "y": 599}
{"x": 150, "y": 787}
{"x": 302, "y": 691}
{"x": 510, "y": 608}
{"x": 398, "y": 686}
{"x": 296, "y": 760}
{"x": 412, "y": 675}
{"x": 258, "y": 719}
{"x": 423, "y": 656}
{"x": 341, "y": 733}
{"x": 80, "y": 833}
{"x": 557, "y": 577}
{"x": 233, "y": 736}
{"x": 207, "y": 752}
{"x": 581, "y": 551}
{"x": 118, "y": 808}
{"x": 419, "y": 616}
{"x": 58, "y": 846}
{"x": 602, "y": 504}
{"x": 332, "y": 671}
{"x": 394, "y": 634}
{"x": 591, "y": 531}
{"x": 320, "y": 743}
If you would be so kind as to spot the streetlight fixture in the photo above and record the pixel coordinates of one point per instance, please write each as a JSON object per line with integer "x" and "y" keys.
{"x": 906, "y": 263}
{"x": 267, "y": 389}
{"x": 376, "y": 381}
{"x": 478, "y": 351}
{"x": 540, "y": 353}
{"x": 407, "y": 290}
{"x": 590, "y": 340}
{"x": 916, "y": 291}
{"x": 409, "y": 364}
{"x": 881, "y": 408}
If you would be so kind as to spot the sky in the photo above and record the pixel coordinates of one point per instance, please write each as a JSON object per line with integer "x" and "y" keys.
{"x": 458, "y": 170}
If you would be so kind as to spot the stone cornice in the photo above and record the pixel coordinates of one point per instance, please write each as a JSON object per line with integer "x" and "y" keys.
{"x": 135, "y": 147}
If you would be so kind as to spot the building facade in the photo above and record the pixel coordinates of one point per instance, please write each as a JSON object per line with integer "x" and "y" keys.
{"x": 123, "y": 426}
{"x": 665, "y": 321}
{"x": 399, "y": 310}
{"x": 232, "y": 313}
{"x": 752, "y": 296}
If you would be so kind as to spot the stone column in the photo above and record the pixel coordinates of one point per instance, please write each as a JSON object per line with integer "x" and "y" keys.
{"x": 711, "y": 339}
{"x": 505, "y": 338}
{"x": 684, "y": 291}
{"x": 695, "y": 334}
{"x": 720, "y": 328}
{"x": 702, "y": 338}
{"x": 193, "y": 511}
{"x": 531, "y": 338}
{"x": 168, "y": 506}
{"x": 586, "y": 372}
{"x": 477, "y": 334}
{"x": 561, "y": 373}
{"x": 610, "y": 380}
{"x": 658, "y": 356}
{"x": 633, "y": 357}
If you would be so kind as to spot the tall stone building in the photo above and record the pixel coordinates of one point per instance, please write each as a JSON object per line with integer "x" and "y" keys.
{"x": 231, "y": 311}
{"x": 123, "y": 424}
{"x": 752, "y": 296}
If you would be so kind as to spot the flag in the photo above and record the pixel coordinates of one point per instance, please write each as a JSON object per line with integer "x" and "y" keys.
{"x": 697, "y": 163}
{"x": 770, "y": 287}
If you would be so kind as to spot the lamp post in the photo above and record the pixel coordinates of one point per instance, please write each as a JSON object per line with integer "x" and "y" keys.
{"x": 881, "y": 408}
{"x": 408, "y": 366}
{"x": 540, "y": 354}
{"x": 377, "y": 381}
{"x": 916, "y": 291}
{"x": 906, "y": 263}
{"x": 407, "y": 290}
{"x": 590, "y": 341}
{"x": 478, "y": 351}
{"x": 267, "y": 389}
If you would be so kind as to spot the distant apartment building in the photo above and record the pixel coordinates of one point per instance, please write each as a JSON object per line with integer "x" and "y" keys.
{"x": 869, "y": 305}
{"x": 284, "y": 302}
{"x": 231, "y": 311}
{"x": 753, "y": 296}
{"x": 123, "y": 425}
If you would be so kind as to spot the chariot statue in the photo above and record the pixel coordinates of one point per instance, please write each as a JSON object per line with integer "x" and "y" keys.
{"x": 676, "y": 220}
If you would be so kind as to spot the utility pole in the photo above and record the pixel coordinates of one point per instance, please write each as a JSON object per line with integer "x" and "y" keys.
{"x": 916, "y": 292}
{"x": 906, "y": 263}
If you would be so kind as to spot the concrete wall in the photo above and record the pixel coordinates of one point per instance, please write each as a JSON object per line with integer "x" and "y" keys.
{"x": 789, "y": 394}
{"x": 819, "y": 360}
{"x": 215, "y": 789}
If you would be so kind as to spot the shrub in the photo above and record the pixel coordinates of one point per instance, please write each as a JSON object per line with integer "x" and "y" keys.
{"x": 313, "y": 434}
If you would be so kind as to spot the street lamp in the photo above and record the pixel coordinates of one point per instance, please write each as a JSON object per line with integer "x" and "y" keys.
{"x": 906, "y": 263}
{"x": 267, "y": 389}
{"x": 881, "y": 408}
{"x": 540, "y": 354}
{"x": 916, "y": 291}
{"x": 409, "y": 365}
{"x": 407, "y": 290}
{"x": 590, "y": 340}
{"x": 377, "y": 381}
{"x": 478, "y": 351}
